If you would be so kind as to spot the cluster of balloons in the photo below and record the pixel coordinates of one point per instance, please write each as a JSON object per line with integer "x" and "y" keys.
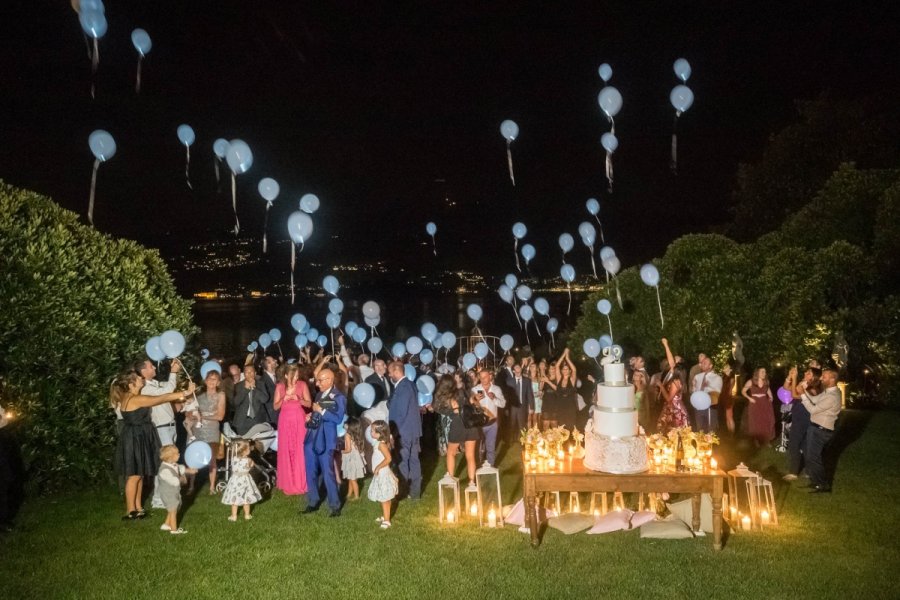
{"x": 681, "y": 98}
{"x": 518, "y": 230}
{"x": 169, "y": 344}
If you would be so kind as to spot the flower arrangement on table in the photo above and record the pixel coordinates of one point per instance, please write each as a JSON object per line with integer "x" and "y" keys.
{"x": 548, "y": 445}
{"x": 697, "y": 447}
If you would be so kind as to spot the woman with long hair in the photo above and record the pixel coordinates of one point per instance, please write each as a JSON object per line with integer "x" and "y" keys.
{"x": 449, "y": 399}
{"x": 137, "y": 451}
{"x": 291, "y": 396}
{"x": 760, "y": 415}
{"x": 537, "y": 388}
{"x": 211, "y": 404}
{"x": 671, "y": 390}
{"x": 548, "y": 397}
{"x": 566, "y": 392}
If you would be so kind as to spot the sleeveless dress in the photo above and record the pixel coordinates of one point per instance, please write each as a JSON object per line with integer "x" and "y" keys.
{"x": 209, "y": 432}
{"x": 548, "y": 404}
{"x": 291, "y": 463}
{"x": 536, "y": 389}
{"x": 673, "y": 415}
{"x": 241, "y": 488}
{"x": 566, "y": 405}
{"x": 384, "y": 483}
{"x": 137, "y": 450}
{"x": 353, "y": 466}
{"x": 760, "y": 416}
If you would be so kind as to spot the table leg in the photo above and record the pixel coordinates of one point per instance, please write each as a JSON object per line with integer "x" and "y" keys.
{"x": 532, "y": 519}
{"x": 717, "y": 513}
{"x": 695, "y": 512}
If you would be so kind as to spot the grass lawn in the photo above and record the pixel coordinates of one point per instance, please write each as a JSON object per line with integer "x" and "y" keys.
{"x": 842, "y": 545}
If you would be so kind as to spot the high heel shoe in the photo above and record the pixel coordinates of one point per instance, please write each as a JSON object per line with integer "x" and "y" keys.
{"x": 130, "y": 516}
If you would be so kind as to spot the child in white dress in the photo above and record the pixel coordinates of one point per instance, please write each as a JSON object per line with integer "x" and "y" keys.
{"x": 353, "y": 465}
{"x": 170, "y": 477}
{"x": 384, "y": 483}
{"x": 241, "y": 489}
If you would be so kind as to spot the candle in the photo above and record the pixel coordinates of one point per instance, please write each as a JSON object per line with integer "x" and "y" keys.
{"x": 764, "y": 517}
{"x": 492, "y": 518}
{"x": 533, "y": 463}
{"x": 474, "y": 510}
{"x": 733, "y": 512}
{"x": 560, "y": 455}
{"x": 713, "y": 464}
{"x": 745, "y": 523}
{"x": 551, "y": 463}
{"x": 657, "y": 460}
{"x": 451, "y": 517}
{"x": 596, "y": 513}
{"x": 571, "y": 449}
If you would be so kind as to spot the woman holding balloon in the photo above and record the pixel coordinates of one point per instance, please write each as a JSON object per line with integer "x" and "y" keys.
{"x": 137, "y": 451}
{"x": 291, "y": 398}
{"x": 212, "y": 411}
{"x": 671, "y": 389}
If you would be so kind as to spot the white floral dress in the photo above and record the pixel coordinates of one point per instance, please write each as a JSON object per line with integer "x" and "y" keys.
{"x": 384, "y": 483}
{"x": 353, "y": 465}
{"x": 241, "y": 488}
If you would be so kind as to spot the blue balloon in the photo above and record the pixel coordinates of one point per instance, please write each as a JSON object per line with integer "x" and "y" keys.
{"x": 425, "y": 384}
{"x": 428, "y": 330}
{"x": 300, "y": 227}
{"x": 154, "y": 350}
{"x": 204, "y": 354}
{"x": 449, "y": 339}
{"x": 605, "y": 71}
{"x": 359, "y": 335}
{"x": 172, "y": 343}
{"x": 220, "y": 147}
{"x": 312, "y": 333}
{"x": 268, "y": 188}
{"x": 506, "y": 342}
{"x": 306, "y": 327}
{"x": 606, "y": 252}
{"x": 610, "y": 101}
{"x": 681, "y": 98}
{"x": 186, "y": 134}
{"x": 333, "y": 320}
{"x": 424, "y": 399}
{"x": 566, "y": 242}
{"x": 682, "y": 69}
{"x": 264, "y": 340}
{"x": 506, "y": 293}
{"x": 375, "y": 345}
{"x": 409, "y": 371}
{"x": 336, "y": 306}
{"x": 701, "y": 400}
{"x": 593, "y": 206}
{"x": 509, "y": 130}
{"x": 372, "y": 321}
{"x": 331, "y": 285}
{"x": 511, "y": 281}
{"x": 430, "y": 228}
{"x": 519, "y": 230}
{"x": 141, "y": 41}
{"x": 275, "y": 334}
{"x": 252, "y": 346}
{"x": 609, "y": 142}
{"x": 474, "y": 311}
{"x": 93, "y": 23}
{"x": 350, "y": 327}
{"x": 591, "y": 347}
{"x": 481, "y": 350}
{"x": 588, "y": 233}
{"x": 239, "y": 157}
{"x": 526, "y": 312}
{"x": 197, "y": 454}
{"x": 398, "y": 349}
{"x": 300, "y": 340}
{"x": 523, "y": 293}
{"x": 552, "y": 325}
{"x": 650, "y": 275}
{"x": 426, "y": 356}
{"x": 438, "y": 341}
{"x": 541, "y": 306}
{"x": 604, "y": 306}
{"x": 364, "y": 394}
{"x": 322, "y": 341}
{"x": 469, "y": 361}
{"x": 309, "y": 203}
{"x": 414, "y": 345}
{"x": 209, "y": 366}
{"x": 102, "y": 145}
{"x": 605, "y": 341}
{"x": 567, "y": 272}
{"x": 528, "y": 253}
{"x": 298, "y": 321}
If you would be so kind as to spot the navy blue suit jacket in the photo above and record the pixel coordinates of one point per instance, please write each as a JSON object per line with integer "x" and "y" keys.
{"x": 324, "y": 438}
{"x": 403, "y": 412}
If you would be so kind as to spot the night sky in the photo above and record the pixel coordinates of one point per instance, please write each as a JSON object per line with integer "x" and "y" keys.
{"x": 387, "y": 110}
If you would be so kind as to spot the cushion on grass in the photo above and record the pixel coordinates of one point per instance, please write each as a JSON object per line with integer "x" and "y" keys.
{"x": 644, "y": 516}
{"x": 612, "y": 521}
{"x": 683, "y": 511}
{"x": 671, "y": 528}
{"x": 515, "y": 514}
{"x": 571, "y": 523}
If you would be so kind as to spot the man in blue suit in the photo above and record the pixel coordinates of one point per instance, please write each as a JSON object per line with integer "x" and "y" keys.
{"x": 406, "y": 426}
{"x": 329, "y": 408}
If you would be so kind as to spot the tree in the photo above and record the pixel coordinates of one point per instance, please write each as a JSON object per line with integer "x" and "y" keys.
{"x": 79, "y": 306}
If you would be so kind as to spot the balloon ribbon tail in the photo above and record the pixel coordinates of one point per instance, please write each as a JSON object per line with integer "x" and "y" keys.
{"x": 594, "y": 264}
{"x": 516, "y": 253}
{"x": 512, "y": 176}
{"x": 93, "y": 189}
{"x": 137, "y": 81}
{"x": 293, "y": 263}
{"x": 619, "y": 294}
{"x": 237, "y": 224}
{"x": 609, "y": 171}
{"x": 187, "y": 167}
{"x": 569, "y": 308}
{"x": 662, "y": 322}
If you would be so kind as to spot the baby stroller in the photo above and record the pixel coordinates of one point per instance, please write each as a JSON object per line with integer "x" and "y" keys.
{"x": 260, "y": 437}
{"x": 785, "y": 428}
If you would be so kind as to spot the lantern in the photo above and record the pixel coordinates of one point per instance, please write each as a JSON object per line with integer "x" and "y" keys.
{"x": 553, "y": 502}
{"x": 594, "y": 505}
{"x": 574, "y": 504}
{"x": 745, "y": 505}
{"x": 448, "y": 500}
{"x": 490, "y": 500}
{"x": 471, "y": 495}
{"x": 762, "y": 501}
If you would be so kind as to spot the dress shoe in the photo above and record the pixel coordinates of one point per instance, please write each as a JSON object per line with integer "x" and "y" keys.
{"x": 820, "y": 489}
{"x": 335, "y": 513}
{"x": 130, "y": 516}
{"x": 309, "y": 509}
{"x": 790, "y": 477}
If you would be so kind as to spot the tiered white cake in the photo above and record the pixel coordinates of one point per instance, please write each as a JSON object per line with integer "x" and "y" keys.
{"x": 611, "y": 441}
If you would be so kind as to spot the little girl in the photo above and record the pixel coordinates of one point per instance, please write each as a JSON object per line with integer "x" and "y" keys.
{"x": 171, "y": 476}
{"x": 353, "y": 465}
{"x": 241, "y": 489}
{"x": 384, "y": 483}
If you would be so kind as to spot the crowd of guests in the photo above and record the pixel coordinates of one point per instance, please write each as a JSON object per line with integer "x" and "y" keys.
{"x": 472, "y": 413}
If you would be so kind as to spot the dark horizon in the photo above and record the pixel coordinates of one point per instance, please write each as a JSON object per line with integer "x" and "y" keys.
{"x": 391, "y": 115}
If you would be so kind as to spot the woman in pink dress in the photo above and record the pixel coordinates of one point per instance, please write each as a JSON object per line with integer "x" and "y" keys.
{"x": 760, "y": 414}
{"x": 291, "y": 396}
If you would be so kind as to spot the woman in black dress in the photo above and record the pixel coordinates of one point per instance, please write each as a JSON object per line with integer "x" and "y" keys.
{"x": 137, "y": 452}
{"x": 566, "y": 393}
{"x": 448, "y": 398}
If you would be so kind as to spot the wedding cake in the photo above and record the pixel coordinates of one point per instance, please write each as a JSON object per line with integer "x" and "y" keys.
{"x": 611, "y": 442}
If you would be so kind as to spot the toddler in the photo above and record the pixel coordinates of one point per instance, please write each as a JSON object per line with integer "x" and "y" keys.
{"x": 384, "y": 483}
{"x": 241, "y": 490}
{"x": 353, "y": 465}
{"x": 171, "y": 476}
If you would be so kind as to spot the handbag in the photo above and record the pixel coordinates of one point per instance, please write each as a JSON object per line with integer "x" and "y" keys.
{"x": 473, "y": 415}
{"x": 315, "y": 419}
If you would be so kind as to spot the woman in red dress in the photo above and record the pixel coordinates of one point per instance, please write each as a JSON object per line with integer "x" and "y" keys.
{"x": 291, "y": 396}
{"x": 760, "y": 415}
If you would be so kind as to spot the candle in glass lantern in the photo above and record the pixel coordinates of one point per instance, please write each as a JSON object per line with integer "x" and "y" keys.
{"x": 492, "y": 518}
{"x": 764, "y": 517}
{"x": 596, "y": 513}
{"x": 657, "y": 460}
{"x": 532, "y": 463}
{"x": 473, "y": 511}
{"x": 733, "y": 512}
{"x": 551, "y": 463}
{"x": 451, "y": 518}
{"x": 713, "y": 464}
{"x": 560, "y": 455}
{"x": 745, "y": 523}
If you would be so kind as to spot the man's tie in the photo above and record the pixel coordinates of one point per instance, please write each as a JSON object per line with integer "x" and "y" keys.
{"x": 703, "y": 382}
{"x": 250, "y": 414}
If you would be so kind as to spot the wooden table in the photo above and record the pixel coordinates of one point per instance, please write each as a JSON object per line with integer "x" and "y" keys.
{"x": 570, "y": 475}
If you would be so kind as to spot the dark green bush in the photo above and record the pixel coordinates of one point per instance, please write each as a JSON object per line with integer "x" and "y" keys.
{"x": 78, "y": 305}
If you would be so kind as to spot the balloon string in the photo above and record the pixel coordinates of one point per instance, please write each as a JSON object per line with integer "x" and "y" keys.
{"x": 187, "y": 166}
{"x": 527, "y": 339}
{"x": 137, "y": 82}
{"x": 516, "y": 253}
{"x": 280, "y": 353}
{"x": 266, "y": 226}
{"x": 608, "y": 320}
{"x": 612, "y": 120}
{"x": 237, "y": 224}
{"x": 434, "y": 245}
{"x": 662, "y": 323}
{"x": 216, "y": 166}
{"x": 512, "y": 176}
{"x": 618, "y": 293}
{"x": 538, "y": 329}
{"x": 600, "y": 227}
{"x": 569, "y": 309}
{"x": 674, "y": 164}
{"x": 87, "y": 45}
{"x": 593, "y": 264}
{"x": 293, "y": 262}
{"x": 95, "y": 62}
{"x": 93, "y": 188}
{"x": 609, "y": 171}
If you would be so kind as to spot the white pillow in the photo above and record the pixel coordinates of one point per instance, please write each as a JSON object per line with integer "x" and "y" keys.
{"x": 671, "y": 528}
{"x": 683, "y": 511}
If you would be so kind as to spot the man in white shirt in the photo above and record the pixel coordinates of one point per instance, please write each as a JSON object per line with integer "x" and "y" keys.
{"x": 710, "y": 382}
{"x": 162, "y": 415}
{"x": 491, "y": 399}
{"x": 824, "y": 410}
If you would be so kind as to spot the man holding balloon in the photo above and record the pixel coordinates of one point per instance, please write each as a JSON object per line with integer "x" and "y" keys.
{"x": 710, "y": 382}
